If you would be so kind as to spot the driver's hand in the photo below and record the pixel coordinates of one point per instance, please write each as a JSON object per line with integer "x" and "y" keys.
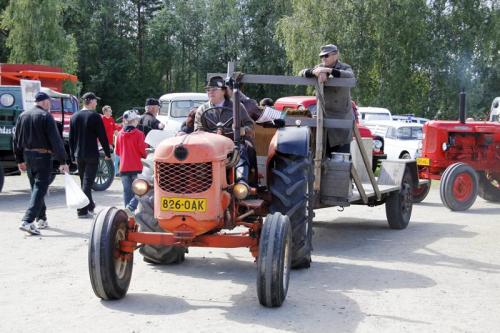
{"x": 219, "y": 131}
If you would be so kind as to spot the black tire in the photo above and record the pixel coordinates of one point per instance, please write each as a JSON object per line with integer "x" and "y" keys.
{"x": 2, "y": 177}
{"x": 489, "y": 188}
{"x": 105, "y": 175}
{"x": 159, "y": 255}
{"x": 110, "y": 276}
{"x": 405, "y": 156}
{"x": 398, "y": 205}
{"x": 421, "y": 192}
{"x": 459, "y": 187}
{"x": 274, "y": 261}
{"x": 291, "y": 188}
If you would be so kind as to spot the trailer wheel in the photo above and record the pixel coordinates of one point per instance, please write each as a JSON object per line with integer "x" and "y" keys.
{"x": 459, "y": 187}
{"x": 2, "y": 177}
{"x": 159, "y": 255}
{"x": 105, "y": 175}
{"x": 489, "y": 187}
{"x": 110, "y": 270}
{"x": 292, "y": 195}
{"x": 421, "y": 192}
{"x": 274, "y": 261}
{"x": 398, "y": 205}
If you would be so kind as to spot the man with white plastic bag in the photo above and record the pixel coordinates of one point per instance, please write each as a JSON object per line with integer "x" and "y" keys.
{"x": 36, "y": 139}
{"x": 75, "y": 198}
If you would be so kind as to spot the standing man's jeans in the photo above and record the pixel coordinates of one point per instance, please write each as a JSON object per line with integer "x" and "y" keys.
{"x": 87, "y": 170}
{"x": 39, "y": 167}
{"x": 129, "y": 198}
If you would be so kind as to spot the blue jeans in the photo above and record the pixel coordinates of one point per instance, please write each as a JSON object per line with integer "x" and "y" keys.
{"x": 39, "y": 167}
{"x": 116, "y": 163}
{"x": 129, "y": 198}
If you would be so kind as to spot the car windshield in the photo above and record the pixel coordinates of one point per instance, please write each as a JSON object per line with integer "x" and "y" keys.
{"x": 179, "y": 109}
{"x": 55, "y": 105}
{"x": 409, "y": 133}
{"x": 376, "y": 116}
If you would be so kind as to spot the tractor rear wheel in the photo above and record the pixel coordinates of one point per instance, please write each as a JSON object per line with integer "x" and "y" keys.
{"x": 274, "y": 261}
{"x": 421, "y": 192}
{"x": 105, "y": 175}
{"x": 159, "y": 255}
{"x": 292, "y": 192}
{"x": 459, "y": 187}
{"x": 399, "y": 204}
{"x": 489, "y": 187}
{"x": 110, "y": 270}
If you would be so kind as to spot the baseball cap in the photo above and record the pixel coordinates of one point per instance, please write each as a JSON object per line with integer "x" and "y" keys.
{"x": 152, "y": 101}
{"x": 329, "y": 48}
{"x": 216, "y": 82}
{"x": 130, "y": 115}
{"x": 90, "y": 96}
{"x": 41, "y": 96}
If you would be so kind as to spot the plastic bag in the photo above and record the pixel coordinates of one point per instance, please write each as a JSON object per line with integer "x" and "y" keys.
{"x": 75, "y": 198}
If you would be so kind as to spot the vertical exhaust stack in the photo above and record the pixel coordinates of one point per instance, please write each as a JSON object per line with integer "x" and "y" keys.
{"x": 461, "y": 107}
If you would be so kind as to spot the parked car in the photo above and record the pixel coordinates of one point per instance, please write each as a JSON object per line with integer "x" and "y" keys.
{"x": 175, "y": 107}
{"x": 309, "y": 103}
{"x": 409, "y": 118}
{"x": 401, "y": 140}
{"x": 369, "y": 114}
{"x": 495, "y": 110}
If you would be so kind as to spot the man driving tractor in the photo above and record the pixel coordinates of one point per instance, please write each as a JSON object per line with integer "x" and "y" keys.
{"x": 216, "y": 116}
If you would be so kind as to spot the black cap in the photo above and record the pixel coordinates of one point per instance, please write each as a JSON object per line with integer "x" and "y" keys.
{"x": 88, "y": 96}
{"x": 329, "y": 48}
{"x": 41, "y": 96}
{"x": 216, "y": 82}
{"x": 152, "y": 101}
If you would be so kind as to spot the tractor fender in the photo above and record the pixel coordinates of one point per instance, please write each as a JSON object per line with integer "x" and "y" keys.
{"x": 291, "y": 140}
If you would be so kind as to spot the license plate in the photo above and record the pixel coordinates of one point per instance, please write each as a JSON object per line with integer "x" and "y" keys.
{"x": 424, "y": 161}
{"x": 183, "y": 204}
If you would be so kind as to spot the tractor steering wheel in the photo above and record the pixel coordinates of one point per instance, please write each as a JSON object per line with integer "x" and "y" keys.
{"x": 220, "y": 127}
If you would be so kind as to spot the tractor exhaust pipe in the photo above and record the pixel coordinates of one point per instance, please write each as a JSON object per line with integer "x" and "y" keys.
{"x": 461, "y": 107}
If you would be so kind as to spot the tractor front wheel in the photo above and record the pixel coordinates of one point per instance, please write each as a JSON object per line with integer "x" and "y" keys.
{"x": 459, "y": 187}
{"x": 110, "y": 269}
{"x": 274, "y": 261}
{"x": 421, "y": 192}
{"x": 399, "y": 204}
{"x": 489, "y": 186}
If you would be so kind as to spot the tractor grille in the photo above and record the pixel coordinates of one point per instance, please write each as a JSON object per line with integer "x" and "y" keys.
{"x": 184, "y": 178}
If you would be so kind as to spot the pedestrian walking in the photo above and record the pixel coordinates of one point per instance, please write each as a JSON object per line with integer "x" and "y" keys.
{"x": 86, "y": 127}
{"x": 130, "y": 146}
{"x": 36, "y": 139}
{"x": 112, "y": 129}
{"x": 148, "y": 120}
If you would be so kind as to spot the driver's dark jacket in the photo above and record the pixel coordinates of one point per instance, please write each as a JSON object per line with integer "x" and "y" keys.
{"x": 222, "y": 116}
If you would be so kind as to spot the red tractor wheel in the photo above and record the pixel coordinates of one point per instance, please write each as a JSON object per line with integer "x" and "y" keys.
{"x": 420, "y": 192}
{"x": 489, "y": 186}
{"x": 459, "y": 187}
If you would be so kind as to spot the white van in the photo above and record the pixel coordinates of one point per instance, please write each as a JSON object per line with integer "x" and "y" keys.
{"x": 175, "y": 107}
{"x": 369, "y": 113}
{"x": 495, "y": 110}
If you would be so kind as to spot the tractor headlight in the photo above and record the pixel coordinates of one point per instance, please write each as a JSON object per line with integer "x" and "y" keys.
{"x": 240, "y": 191}
{"x": 377, "y": 144}
{"x": 140, "y": 187}
{"x": 445, "y": 146}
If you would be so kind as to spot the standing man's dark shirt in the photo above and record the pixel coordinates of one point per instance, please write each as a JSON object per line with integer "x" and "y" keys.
{"x": 148, "y": 122}
{"x": 86, "y": 127}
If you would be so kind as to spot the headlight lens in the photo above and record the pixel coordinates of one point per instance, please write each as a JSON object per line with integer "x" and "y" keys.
{"x": 445, "y": 146}
{"x": 377, "y": 144}
{"x": 140, "y": 187}
{"x": 240, "y": 191}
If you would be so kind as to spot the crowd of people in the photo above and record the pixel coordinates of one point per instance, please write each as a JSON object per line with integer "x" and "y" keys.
{"x": 37, "y": 138}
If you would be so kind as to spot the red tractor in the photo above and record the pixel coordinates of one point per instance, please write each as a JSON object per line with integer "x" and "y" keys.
{"x": 465, "y": 155}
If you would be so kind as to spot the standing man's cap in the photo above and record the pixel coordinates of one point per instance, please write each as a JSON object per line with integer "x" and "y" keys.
{"x": 88, "y": 96}
{"x": 41, "y": 96}
{"x": 329, "y": 48}
{"x": 216, "y": 82}
{"x": 152, "y": 101}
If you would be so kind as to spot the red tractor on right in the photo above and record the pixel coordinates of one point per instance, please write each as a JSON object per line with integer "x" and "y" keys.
{"x": 465, "y": 155}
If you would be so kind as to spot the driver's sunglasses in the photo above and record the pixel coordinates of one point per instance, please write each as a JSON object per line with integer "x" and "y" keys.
{"x": 327, "y": 55}
{"x": 212, "y": 89}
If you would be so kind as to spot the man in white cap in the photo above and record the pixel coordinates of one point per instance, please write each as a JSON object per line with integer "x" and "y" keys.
{"x": 337, "y": 99}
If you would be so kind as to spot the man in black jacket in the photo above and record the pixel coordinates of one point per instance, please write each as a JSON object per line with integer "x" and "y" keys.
{"x": 35, "y": 140}
{"x": 85, "y": 128}
{"x": 148, "y": 120}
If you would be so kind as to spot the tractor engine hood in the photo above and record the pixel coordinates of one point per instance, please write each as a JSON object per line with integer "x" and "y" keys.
{"x": 198, "y": 147}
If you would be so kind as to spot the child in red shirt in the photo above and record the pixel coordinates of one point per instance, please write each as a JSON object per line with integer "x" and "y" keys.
{"x": 130, "y": 146}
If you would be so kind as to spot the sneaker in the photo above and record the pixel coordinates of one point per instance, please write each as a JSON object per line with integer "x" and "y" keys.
{"x": 29, "y": 228}
{"x": 89, "y": 215}
{"x": 42, "y": 224}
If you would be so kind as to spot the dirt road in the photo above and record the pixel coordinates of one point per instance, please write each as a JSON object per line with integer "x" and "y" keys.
{"x": 441, "y": 274}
